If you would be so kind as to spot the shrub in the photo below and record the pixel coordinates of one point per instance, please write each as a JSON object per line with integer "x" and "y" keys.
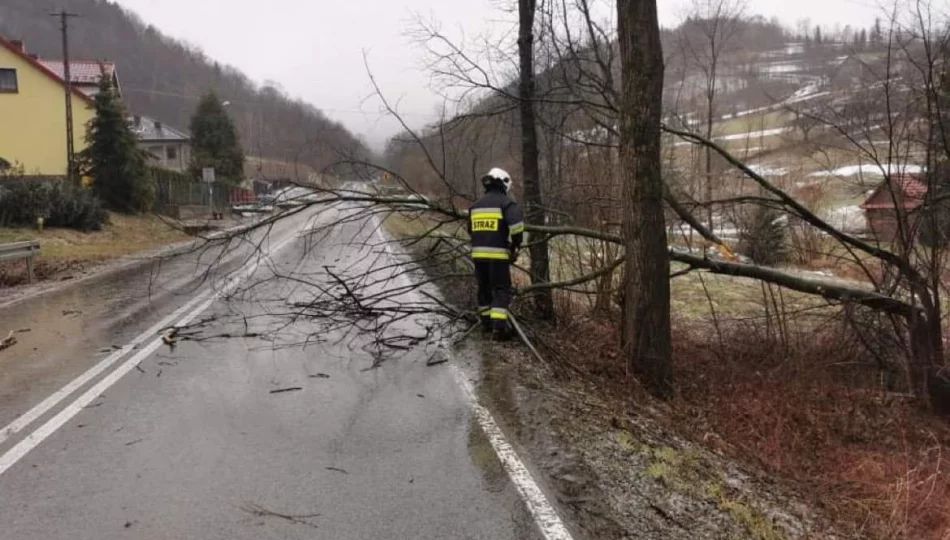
{"x": 61, "y": 205}
{"x": 763, "y": 236}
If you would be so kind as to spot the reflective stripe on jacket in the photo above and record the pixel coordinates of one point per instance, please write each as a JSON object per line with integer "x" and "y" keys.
{"x": 496, "y": 226}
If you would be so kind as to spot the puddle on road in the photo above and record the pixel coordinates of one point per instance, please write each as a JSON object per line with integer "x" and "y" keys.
{"x": 484, "y": 458}
{"x": 494, "y": 391}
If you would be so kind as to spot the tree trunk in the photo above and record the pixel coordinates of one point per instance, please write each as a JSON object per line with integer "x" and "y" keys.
{"x": 533, "y": 201}
{"x": 646, "y": 318}
{"x": 929, "y": 377}
{"x": 708, "y": 165}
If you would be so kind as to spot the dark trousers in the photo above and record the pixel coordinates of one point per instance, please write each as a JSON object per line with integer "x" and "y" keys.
{"x": 494, "y": 292}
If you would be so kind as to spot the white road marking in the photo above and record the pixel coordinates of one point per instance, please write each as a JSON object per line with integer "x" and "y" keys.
{"x": 552, "y": 528}
{"x": 53, "y": 400}
{"x": 32, "y": 440}
{"x": 543, "y": 512}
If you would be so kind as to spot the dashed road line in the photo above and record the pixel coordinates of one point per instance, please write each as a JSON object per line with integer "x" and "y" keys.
{"x": 204, "y": 301}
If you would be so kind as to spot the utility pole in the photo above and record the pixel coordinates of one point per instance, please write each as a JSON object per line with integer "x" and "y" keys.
{"x": 64, "y": 17}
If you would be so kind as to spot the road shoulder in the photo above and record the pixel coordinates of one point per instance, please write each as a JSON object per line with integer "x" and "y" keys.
{"x": 622, "y": 473}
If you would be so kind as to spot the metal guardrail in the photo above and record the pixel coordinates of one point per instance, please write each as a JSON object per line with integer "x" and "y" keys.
{"x": 21, "y": 250}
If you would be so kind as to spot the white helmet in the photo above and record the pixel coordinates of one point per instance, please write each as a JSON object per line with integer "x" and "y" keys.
{"x": 499, "y": 177}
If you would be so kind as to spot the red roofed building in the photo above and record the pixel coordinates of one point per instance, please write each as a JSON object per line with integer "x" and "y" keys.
{"x": 904, "y": 191}
{"x": 85, "y": 74}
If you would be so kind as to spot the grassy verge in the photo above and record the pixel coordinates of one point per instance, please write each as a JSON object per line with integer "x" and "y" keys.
{"x": 68, "y": 250}
{"x": 753, "y": 122}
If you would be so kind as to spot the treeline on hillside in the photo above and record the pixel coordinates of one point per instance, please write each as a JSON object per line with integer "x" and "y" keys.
{"x": 160, "y": 76}
{"x": 758, "y": 33}
{"x": 576, "y": 118}
{"x": 574, "y": 114}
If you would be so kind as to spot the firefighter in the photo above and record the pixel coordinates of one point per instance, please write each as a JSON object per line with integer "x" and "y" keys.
{"x": 496, "y": 227}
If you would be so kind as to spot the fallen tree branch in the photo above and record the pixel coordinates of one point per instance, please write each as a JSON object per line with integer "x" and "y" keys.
{"x": 824, "y": 288}
{"x": 576, "y": 281}
{"x": 524, "y": 338}
{"x": 688, "y": 217}
{"x": 800, "y": 210}
{"x": 820, "y": 287}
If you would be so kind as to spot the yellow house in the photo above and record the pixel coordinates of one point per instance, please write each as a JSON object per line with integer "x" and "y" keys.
{"x": 33, "y": 113}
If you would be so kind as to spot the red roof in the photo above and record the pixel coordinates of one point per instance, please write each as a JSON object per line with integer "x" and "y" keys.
{"x": 15, "y": 49}
{"x": 911, "y": 192}
{"x": 81, "y": 71}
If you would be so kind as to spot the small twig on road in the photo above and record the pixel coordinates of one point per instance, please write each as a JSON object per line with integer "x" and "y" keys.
{"x": 465, "y": 334}
{"x": 319, "y": 376}
{"x": 440, "y": 357}
{"x": 282, "y": 390}
{"x": 8, "y": 342}
{"x": 336, "y": 469}
{"x": 136, "y": 441}
{"x": 225, "y": 335}
{"x": 435, "y": 359}
{"x": 260, "y": 511}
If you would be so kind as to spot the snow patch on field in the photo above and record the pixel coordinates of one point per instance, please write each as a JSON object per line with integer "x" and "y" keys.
{"x": 869, "y": 169}
{"x": 766, "y": 171}
{"x": 744, "y": 136}
{"x": 753, "y": 134}
{"x": 781, "y": 67}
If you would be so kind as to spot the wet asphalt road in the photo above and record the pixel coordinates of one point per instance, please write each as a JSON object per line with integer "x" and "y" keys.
{"x": 195, "y": 444}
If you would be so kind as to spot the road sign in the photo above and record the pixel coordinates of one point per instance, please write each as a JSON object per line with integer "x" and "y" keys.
{"x": 207, "y": 175}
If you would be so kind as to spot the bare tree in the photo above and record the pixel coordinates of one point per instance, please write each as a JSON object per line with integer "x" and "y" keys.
{"x": 708, "y": 34}
{"x": 580, "y": 111}
{"x": 533, "y": 198}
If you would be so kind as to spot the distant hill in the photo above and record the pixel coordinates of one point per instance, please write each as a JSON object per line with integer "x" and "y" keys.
{"x": 761, "y": 75}
{"x": 159, "y": 75}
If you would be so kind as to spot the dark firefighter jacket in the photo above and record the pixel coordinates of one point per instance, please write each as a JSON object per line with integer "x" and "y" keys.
{"x": 496, "y": 225}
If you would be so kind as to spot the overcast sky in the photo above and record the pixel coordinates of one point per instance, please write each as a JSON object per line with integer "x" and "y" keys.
{"x": 314, "y": 48}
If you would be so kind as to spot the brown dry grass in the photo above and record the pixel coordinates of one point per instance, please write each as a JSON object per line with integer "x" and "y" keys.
{"x": 64, "y": 250}
{"x": 805, "y": 408}
{"x": 809, "y": 412}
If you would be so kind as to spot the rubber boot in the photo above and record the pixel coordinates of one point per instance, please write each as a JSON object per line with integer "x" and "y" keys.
{"x": 501, "y": 331}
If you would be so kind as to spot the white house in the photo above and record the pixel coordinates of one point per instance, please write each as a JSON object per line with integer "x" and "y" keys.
{"x": 166, "y": 147}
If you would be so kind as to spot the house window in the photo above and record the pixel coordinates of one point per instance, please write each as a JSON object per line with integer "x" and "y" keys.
{"x": 171, "y": 152}
{"x": 8, "y": 83}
